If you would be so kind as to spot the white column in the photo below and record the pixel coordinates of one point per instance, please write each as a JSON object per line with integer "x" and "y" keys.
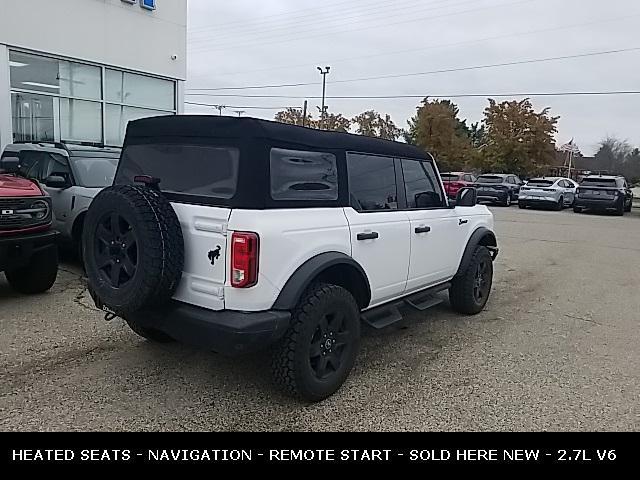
{"x": 180, "y": 97}
{"x": 6, "y": 134}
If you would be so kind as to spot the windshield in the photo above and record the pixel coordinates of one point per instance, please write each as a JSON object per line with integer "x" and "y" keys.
{"x": 489, "y": 179}
{"x": 599, "y": 182}
{"x": 540, "y": 183}
{"x": 94, "y": 172}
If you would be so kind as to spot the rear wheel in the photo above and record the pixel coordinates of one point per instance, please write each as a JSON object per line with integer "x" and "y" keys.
{"x": 38, "y": 275}
{"x": 470, "y": 290}
{"x": 521, "y": 205}
{"x": 577, "y": 209}
{"x": 620, "y": 209}
{"x": 560, "y": 205}
{"x": 318, "y": 351}
{"x": 507, "y": 200}
{"x": 628, "y": 207}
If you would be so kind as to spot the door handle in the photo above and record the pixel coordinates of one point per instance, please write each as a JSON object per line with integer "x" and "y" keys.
{"x": 368, "y": 236}
{"x": 462, "y": 222}
{"x": 423, "y": 229}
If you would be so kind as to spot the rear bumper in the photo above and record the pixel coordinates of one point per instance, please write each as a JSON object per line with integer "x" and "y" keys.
{"x": 225, "y": 331}
{"x": 541, "y": 201}
{"x": 492, "y": 196}
{"x": 597, "y": 204}
{"x": 16, "y": 250}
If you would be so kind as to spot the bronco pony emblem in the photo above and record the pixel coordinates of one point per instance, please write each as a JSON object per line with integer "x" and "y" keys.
{"x": 214, "y": 255}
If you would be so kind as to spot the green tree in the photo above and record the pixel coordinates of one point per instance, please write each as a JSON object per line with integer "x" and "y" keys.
{"x": 372, "y": 124}
{"x": 335, "y": 122}
{"x": 437, "y": 128}
{"x": 518, "y": 139}
{"x": 293, "y": 116}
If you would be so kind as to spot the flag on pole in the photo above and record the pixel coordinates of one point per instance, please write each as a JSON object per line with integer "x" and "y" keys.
{"x": 570, "y": 147}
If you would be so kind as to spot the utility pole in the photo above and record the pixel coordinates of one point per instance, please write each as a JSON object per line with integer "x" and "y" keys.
{"x": 220, "y": 108}
{"x": 324, "y": 74}
{"x": 304, "y": 114}
{"x": 239, "y": 112}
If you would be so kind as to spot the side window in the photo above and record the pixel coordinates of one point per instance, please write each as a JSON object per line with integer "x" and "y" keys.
{"x": 372, "y": 182}
{"x": 33, "y": 164}
{"x": 468, "y": 178}
{"x": 57, "y": 166}
{"x": 511, "y": 180}
{"x": 421, "y": 185}
{"x": 298, "y": 175}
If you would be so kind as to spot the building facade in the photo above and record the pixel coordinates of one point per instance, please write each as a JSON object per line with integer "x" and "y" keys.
{"x": 79, "y": 70}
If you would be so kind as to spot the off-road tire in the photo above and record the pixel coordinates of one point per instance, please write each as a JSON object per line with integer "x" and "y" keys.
{"x": 291, "y": 363}
{"x": 38, "y": 275}
{"x": 159, "y": 248}
{"x": 461, "y": 293}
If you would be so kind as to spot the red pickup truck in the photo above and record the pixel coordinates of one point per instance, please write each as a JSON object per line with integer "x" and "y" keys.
{"x": 28, "y": 251}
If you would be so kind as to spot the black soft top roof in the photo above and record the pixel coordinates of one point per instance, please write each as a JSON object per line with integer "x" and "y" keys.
{"x": 215, "y": 127}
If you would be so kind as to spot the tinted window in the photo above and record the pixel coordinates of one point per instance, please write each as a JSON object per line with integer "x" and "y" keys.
{"x": 298, "y": 175}
{"x": 372, "y": 182}
{"x": 468, "y": 178}
{"x": 537, "y": 182}
{"x": 599, "y": 182}
{"x": 94, "y": 172}
{"x": 421, "y": 185}
{"x": 489, "y": 179}
{"x": 511, "y": 180}
{"x": 449, "y": 177}
{"x": 187, "y": 169}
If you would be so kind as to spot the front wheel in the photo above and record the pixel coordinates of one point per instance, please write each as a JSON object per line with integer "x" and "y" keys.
{"x": 38, "y": 275}
{"x": 470, "y": 290}
{"x": 560, "y": 205}
{"x": 318, "y": 351}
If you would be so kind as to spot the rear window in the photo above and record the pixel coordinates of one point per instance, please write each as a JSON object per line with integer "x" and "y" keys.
{"x": 201, "y": 170}
{"x": 449, "y": 177}
{"x": 302, "y": 175}
{"x": 540, "y": 183}
{"x": 489, "y": 179}
{"x": 599, "y": 182}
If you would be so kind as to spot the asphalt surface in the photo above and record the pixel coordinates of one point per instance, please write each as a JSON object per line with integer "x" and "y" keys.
{"x": 557, "y": 348}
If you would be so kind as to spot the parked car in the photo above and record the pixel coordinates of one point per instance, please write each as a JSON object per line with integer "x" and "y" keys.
{"x": 454, "y": 181}
{"x": 72, "y": 175}
{"x": 498, "y": 188}
{"x": 555, "y": 192}
{"x": 236, "y": 234}
{"x": 604, "y": 192}
{"x": 28, "y": 251}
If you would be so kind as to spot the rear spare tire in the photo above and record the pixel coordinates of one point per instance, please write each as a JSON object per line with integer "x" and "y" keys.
{"x": 133, "y": 248}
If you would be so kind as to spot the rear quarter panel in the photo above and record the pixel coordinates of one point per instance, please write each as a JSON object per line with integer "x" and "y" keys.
{"x": 288, "y": 238}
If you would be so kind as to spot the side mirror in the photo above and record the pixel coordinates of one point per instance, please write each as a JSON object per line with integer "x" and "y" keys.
{"x": 55, "y": 181}
{"x": 467, "y": 197}
{"x": 10, "y": 164}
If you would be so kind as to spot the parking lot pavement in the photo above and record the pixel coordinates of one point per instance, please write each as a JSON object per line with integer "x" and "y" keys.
{"x": 558, "y": 348}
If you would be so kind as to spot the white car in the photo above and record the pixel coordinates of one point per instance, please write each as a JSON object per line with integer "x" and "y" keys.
{"x": 236, "y": 234}
{"x": 72, "y": 175}
{"x": 554, "y": 192}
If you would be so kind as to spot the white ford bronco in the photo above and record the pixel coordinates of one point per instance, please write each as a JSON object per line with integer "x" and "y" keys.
{"x": 238, "y": 234}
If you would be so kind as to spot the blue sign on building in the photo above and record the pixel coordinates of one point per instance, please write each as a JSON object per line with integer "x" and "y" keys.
{"x": 147, "y": 4}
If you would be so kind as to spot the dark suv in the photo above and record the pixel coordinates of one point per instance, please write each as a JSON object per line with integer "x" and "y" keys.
{"x": 604, "y": 192}
{"x": 500, "y": 188}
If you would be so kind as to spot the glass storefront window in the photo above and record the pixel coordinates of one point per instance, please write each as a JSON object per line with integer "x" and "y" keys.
{"x": 80, "y": 121}
{"x": 32, "y": 117}
{"x": 139, "y": 90}
{"x": 117, "y": 118}
{"x": 58, "y": 77}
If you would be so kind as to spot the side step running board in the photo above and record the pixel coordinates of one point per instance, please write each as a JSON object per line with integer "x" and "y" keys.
{"x": 381, "y": 317}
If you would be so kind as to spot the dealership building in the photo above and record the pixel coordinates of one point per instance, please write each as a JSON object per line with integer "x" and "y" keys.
{"x": 79, "y": 70}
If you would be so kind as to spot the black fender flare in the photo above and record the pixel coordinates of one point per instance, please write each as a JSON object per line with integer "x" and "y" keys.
{"x": 308, "y": 271}
{"x": 482, "y": 236}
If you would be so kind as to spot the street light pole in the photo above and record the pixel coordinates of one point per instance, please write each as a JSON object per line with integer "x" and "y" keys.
{"x": 220, "y": 108}
{"x": 324, "y": 74}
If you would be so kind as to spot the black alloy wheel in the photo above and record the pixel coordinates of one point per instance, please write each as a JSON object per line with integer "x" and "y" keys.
{"x": 116, "y": 250}
{"x": 482, "y": 281}
{"x": 328, "y": 344}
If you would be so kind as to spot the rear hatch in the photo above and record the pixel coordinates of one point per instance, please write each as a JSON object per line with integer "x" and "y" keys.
{"x": 598, "y": 189}
{"x": 538, "y": 188}
{"x": 489, "y": 184}
{"x": 198, "y": 180}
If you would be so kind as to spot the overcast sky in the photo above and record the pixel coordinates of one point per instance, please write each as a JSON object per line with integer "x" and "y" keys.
{"x": 272, "y": 42}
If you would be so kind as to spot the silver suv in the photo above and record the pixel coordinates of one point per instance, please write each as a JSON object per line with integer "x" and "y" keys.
{"x": 71, "y": 174}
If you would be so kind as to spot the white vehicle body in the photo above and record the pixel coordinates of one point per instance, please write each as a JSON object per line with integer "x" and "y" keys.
{"x": 398, "y": 263}
{"x": 549, "y": 190}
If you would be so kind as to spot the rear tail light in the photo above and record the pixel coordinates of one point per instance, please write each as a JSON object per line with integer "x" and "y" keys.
{"x": 244, "y": 259}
